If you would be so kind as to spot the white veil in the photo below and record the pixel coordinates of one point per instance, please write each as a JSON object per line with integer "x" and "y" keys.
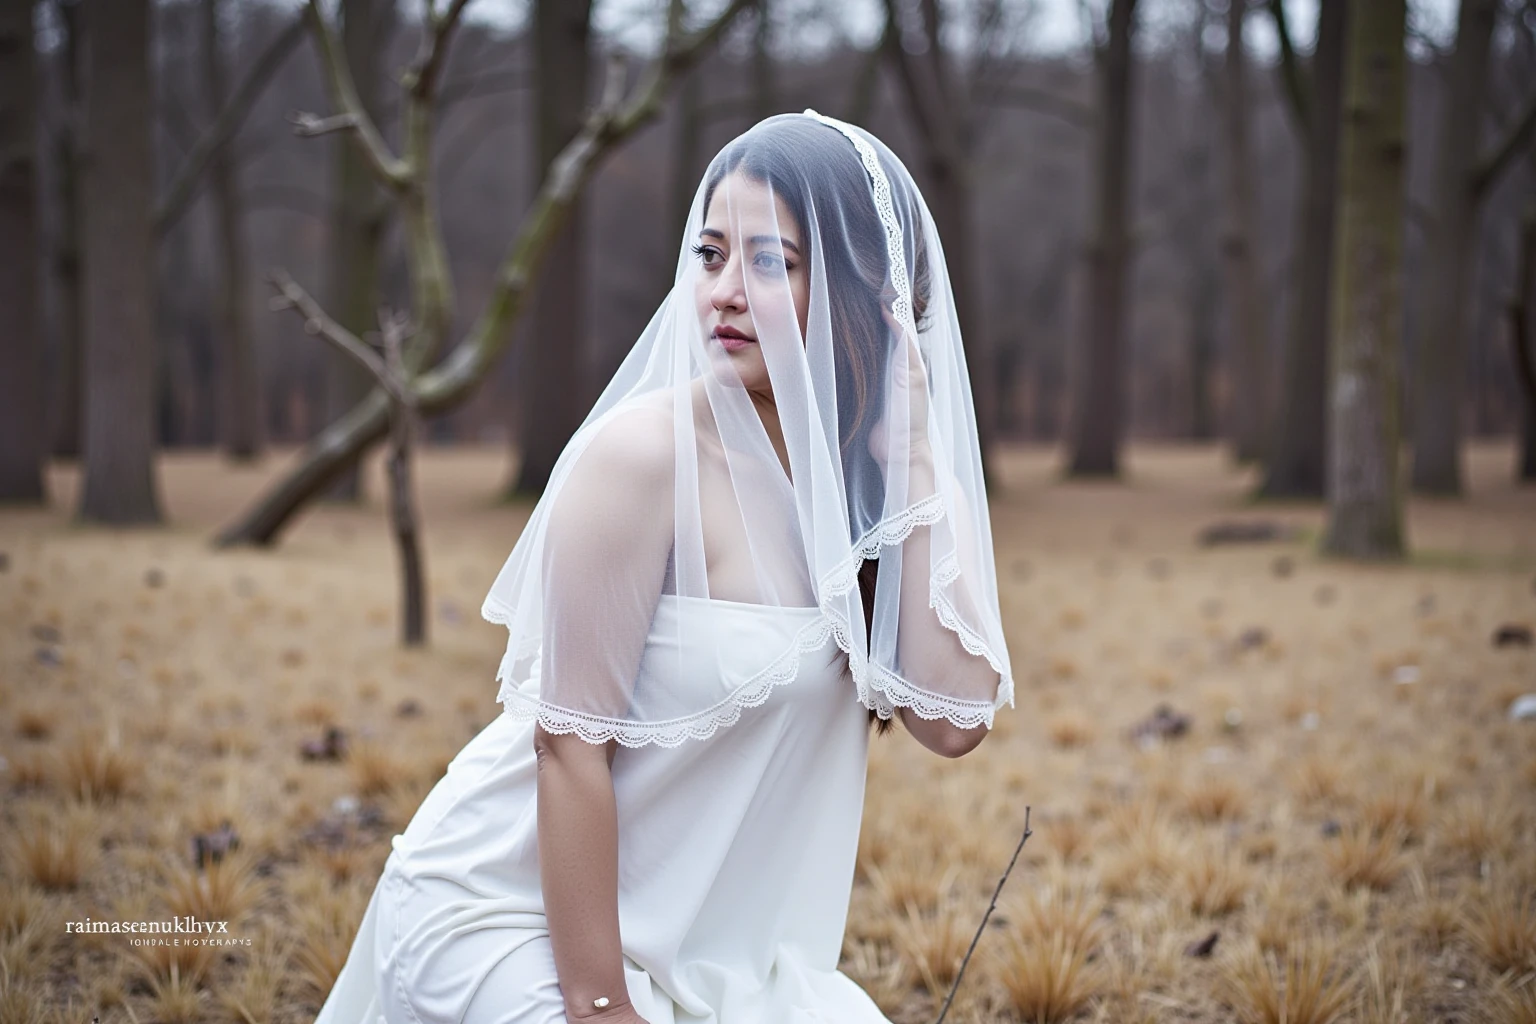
{"x": 810, "y": 239}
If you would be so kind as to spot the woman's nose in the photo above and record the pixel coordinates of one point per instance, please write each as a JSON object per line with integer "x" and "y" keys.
{"x": 729, "y": 293}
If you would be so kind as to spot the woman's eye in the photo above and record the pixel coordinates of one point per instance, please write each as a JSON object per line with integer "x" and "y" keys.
{"x": 769, "y": 261}
{"x": 709, "y": 255}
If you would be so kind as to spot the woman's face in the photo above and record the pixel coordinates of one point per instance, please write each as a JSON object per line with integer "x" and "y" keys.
{"x": 753, "y": 283}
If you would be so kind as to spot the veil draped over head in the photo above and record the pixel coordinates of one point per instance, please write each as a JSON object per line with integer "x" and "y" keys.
{"x": 811, "y": 309}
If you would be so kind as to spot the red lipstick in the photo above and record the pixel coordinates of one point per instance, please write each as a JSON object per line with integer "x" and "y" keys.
{"x": 731, "y": 339}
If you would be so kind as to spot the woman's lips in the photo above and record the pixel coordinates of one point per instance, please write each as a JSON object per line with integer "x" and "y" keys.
{"x": 731, "y": 339}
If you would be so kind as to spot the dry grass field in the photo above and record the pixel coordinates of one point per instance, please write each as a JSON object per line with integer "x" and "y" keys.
{"x": 1349, "y": 811}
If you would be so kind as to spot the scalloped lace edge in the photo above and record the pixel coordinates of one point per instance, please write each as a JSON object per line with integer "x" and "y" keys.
{"x": 878, "y": 688}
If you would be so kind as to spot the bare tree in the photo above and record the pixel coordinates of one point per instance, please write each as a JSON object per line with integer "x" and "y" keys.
{"x": 945, "y": 108}
{"x": 1296, "y": 464}
{"x": 1522, "y": 312}
{"x": 1365, "y": 505}
{"x": 21, "y": 351}
{"x": 240, "y": 429}
{"x": 1248, "y": 312}
{"x": 358, "y": 220}
{"x": 120, "y": 361}
{"x": 553, "y": 384}
{"x": 64, "y": 252}
{"x": 388, "y": 369}
{"x": 1099, "y": 385}
{"x": 463, "y": 369}
{"x": 1463, "y": 179}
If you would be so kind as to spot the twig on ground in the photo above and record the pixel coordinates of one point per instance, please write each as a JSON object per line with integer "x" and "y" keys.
{"x": 984, "y": 917}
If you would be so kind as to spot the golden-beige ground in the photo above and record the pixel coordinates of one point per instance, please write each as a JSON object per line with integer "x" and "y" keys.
{"x": 1352, "y": 813}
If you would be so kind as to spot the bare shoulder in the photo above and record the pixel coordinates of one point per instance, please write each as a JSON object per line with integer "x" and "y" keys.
{"x": 631, "y": 454}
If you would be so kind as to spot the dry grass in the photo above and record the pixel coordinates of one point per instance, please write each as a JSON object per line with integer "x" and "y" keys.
{"x": 1071, "y": 729}
{"x": 1479, "y": 829}
{"x": 1215, "y": 798}
{"x": 907, "y": 879}
{"x": 375, "y": 769}
{"x": 883, "y": 974}
{"x": 933, "y": 944}
{"x": 1216, "y": 881}
{"x": 1044, "y": 960}
{"x": 1303, "y": 985}
{"x": 1360, "y": 857}
{"x": 255, "y": 995}
{"x": 227, "y": 889}
{"x": 1501, "y": 922}
{"x": 54, "y": 851}
{"x": 172, "y": 708}
{"x": 94, "y": 766}
{"x": 325, "y": 918}
{"x": 1401, "y": 808}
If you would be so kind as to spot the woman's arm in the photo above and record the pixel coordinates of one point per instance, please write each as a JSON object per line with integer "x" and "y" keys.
{"x": 579, "y": 872}
{"x": 610, "y": 530}
{"x": 930, "y": 651}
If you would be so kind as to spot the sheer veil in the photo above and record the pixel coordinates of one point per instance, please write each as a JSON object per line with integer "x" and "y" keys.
{"x": 797, "y": 405}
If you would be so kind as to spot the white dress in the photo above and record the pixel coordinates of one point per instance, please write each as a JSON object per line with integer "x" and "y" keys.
{"x": 736, "y": 862}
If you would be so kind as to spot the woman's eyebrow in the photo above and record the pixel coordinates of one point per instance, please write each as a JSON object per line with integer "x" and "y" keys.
{"x": 755, "y": 239}
{"x": 767, "y": 239}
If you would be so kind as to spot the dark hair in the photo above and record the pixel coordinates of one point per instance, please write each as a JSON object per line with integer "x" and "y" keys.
{"x": 775, "y": 153}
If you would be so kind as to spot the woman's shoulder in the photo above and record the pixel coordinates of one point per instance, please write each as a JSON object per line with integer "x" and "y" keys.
{"x": 631, "y": 446}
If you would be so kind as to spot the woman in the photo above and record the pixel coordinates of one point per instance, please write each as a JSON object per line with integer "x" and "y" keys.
{"x": 769, "y": 533}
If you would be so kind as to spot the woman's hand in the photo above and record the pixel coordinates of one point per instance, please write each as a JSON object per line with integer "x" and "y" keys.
{"x": 614, "y": 1013}
{"x": 909, "y": 391}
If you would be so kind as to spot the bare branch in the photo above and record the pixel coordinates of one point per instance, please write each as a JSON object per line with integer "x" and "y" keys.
{"x": 290, "y": 295}
{"x": 465, "y": 367}
{"x": 421, "y": 80}
{"x": 1515, "y": 137}
{"x": 178, "y": 196}
{"x": 391, "y": 170}
{"x": 310, "y": 125}
{"x": 610, "y": 123}
{"x": 991, "y": 907}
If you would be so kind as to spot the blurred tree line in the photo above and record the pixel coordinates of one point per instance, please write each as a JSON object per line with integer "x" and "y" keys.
{"x": 1144, "y": 232}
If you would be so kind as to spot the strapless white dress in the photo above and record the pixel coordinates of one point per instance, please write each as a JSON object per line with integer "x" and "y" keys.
{"x": 736, "y": 862}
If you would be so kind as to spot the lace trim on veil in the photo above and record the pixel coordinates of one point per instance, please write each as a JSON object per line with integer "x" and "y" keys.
{"x": 879, "y": 688}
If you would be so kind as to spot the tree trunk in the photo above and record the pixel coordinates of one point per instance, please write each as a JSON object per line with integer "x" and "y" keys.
{"x": 359, "y": 212}
{"x": 555, "y": 396}
{"x": 1248, "y": 345}
{"x": 1202, "y": 350}
{"x": 1297, "y": 463}
{"x": 1099, "y": 394}
{"x": 941, "y": 109}
{"x": 120, "y": 358}
{"x": 685, "y": 173}
{"x": 1449, "y": 252}
{"x": 1522, "y": 320}
{"x": 764, "y": 90}
{"x": 21, "y": 355}
{"x": 67, "y": 415}
{"x": 240, "y": 429}
{"x": 1365, "y": 511}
